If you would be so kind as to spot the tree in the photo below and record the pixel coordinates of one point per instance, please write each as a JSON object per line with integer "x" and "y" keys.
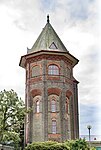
{"x": 12, "y": 112}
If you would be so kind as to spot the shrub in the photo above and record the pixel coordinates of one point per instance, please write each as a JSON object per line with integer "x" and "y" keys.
{"x": 49, "y": 145}
{"x": 92, "y": 148}
{"x": 36, "y": 146}
{"x": 59, "y": 146}
{"x": 79, "y": 144}
{"x": 40, "y": 145}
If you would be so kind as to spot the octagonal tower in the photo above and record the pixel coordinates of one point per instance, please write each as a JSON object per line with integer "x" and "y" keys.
{"x": 51, "y": 89}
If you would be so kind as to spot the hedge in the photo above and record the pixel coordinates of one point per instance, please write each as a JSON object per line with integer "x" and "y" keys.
{"x": 49, "y": 145}
{"x": 79, "y": 144}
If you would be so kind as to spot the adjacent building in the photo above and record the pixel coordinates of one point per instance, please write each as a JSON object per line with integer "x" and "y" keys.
{"x": 51, "y": 89}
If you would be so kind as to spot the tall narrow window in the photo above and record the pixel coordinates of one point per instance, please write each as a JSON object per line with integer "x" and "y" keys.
{"x": 53, "y": 70}
{"x": 53, "y": 105}
{"x": 67, "y": 106}
{"x": 37, "y": 106}
{"x": 54, "y": 126}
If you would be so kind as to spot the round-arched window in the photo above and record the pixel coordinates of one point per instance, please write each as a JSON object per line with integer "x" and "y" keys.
{"x": 53, "y": 70}
{"x": 67, "y": 106}
{"x": 37, "y": 106}
{"x": 54, "y": 126}
{"x": 53, "y": 105}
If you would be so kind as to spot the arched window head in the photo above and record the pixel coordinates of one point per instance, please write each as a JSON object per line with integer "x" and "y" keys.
{"x": 35, "y": 71}
{"x": 37, "y": 106}
{"x": 53, "y": 70}
{"x": 54, "y": 126}
{"x": 53, "y": 105}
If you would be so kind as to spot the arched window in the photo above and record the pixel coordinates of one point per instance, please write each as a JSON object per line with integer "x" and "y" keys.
{"x": 67, "y": 106}
{"x": 54, "y": 126}
{"x": 35, "y": 71}
{"x": 37, "y": 106}
{"x": 53, "y": 70}
{"x": 53, "y": 105}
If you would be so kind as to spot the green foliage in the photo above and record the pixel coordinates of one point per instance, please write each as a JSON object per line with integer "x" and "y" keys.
{"x": 12, "y": 138}
{"x": 92, "y": 148}
{"x": 49, "y": 145}
{"x": 40, "y": 145}
{"x": 79, "y": 144}
{"x": 12, "y": 112}
{"x": 59, "y": 146}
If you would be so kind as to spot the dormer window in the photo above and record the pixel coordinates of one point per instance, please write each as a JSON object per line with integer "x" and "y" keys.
{"x": 53, "y": 46}
{"x": 53, "y": 70}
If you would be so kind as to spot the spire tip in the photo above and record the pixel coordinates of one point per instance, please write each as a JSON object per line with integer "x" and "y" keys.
{"x": 47, "y": 18}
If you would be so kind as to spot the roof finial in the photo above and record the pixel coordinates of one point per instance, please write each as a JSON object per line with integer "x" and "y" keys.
{"x": 47, "y": 18}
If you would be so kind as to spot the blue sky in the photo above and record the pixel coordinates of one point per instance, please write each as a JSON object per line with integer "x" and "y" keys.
{"x": 89, "y": 115}
{"x": 78, "y": 25}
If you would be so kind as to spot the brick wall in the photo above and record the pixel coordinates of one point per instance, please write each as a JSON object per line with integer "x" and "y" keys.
{"x": 45, "y": 86}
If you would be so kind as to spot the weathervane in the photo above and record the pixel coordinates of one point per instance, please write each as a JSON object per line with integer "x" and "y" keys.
{"x": 47, "y": 18}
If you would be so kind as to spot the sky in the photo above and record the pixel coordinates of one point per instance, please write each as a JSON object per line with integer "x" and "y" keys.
{"x": 78, "y": 25}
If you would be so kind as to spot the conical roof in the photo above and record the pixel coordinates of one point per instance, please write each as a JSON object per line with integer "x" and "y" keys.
{"x": 48, "y": 40}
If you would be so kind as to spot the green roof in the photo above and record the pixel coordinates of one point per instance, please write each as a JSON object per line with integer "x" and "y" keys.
{"x": 48, "y": 40}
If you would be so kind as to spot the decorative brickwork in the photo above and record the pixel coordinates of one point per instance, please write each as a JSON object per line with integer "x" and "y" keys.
{"x": 54, "y": 91}
{"x": 48, "y": 57}
{"x": 51, "y": 92}
{"x": 61, "y": 87}
{"x": 36, "y": 92}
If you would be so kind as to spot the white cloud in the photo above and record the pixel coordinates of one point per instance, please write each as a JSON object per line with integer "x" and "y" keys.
{"x": 77, "y": 25}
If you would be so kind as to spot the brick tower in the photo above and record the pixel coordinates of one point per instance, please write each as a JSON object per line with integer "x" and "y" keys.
{"x": 51, "y": 90}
